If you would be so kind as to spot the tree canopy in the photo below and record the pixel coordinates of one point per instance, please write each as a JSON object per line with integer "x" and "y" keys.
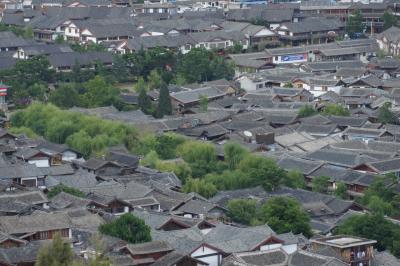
{"x": 284, "y": 214}
{"x": 335, "y": 109}
{"x": 389, "y": 20}
{"x": 56, "y": 253}
{"x": 307, "y": 110}
{"x": 373, "y": 226}
{"x": 86, "y": 134}
{"x": 127, "y": 227}
{"x": 386, "y": 116}
{"x": 164, "y": 101}
{"x": 320, "y": 184}
{"x": 243, "y": 211}
{"x": 354, "y": 23}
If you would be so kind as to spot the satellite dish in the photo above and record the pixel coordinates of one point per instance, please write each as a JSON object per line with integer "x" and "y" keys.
{"x": 248, "y": 134}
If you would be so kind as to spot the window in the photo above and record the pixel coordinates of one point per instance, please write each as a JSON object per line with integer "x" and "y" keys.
{"x": 44, "y": 235}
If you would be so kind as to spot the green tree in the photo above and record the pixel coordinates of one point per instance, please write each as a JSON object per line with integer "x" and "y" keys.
{"x": 354, "y": 23}
{"x": 59, "y": 39}
{"x": 57, "y": 253}
{"x": 65, "y": 96}
{"x": 389, "y": 20}
{"x": 28, "y": 32}
{"x": 243, "y": 211}
{"x": 288, "y": 85}
{"x": 307, "y": 110}
{"x": 375, "y": 227}
{"x": 144, "y": 102}
{"x": 335, "y": 109}
{"x": 166, "y": 145}
{"x": 237, "y": 48}
{"x": 63, "y": 188}
{"x": 320, "y": 184}
{"x": 294, "y": 179}
{"x": 261, "y": 172}
{"x": 154, "y": 80}
{"x": 150, "y": 160}
{"x": 379, "y": 206}
{"x": 284, "y": 214}
{"x": 164, "y": 101}
{"x": 386, "y": 116}
{"x": 201, "y": 157}
{"x": 220, "y": 68}
{"x": 234, "y": 153}
{"x": 200, "y": 186}
{"x": 203, "y": 102}
{"x": 120, "y": 69}
{"x": 341, "y": 190}
{"x": 127, "y": 227}
{"x": 37, "y": 91}
{"x": 99, "y": 258}
{"x": 99, "y": 93}
{"x": 195, "y": 65}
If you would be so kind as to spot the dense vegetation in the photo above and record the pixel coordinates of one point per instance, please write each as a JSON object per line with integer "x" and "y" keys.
{"x": 282, "y": 214}
{"x": 127, "y": 227}
{"x": 59, "y": 253}
{"x": 158, "y": 67}
{"x": 329, "y": 109}
{"x": 373, "y": 226}
{"x": 85, "y": 134}
{"x": 63, "y": 188}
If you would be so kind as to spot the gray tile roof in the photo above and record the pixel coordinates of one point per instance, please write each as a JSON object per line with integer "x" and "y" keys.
{"x": 223, "y": 197}
{"x": 83, "y": 59}
{"x": 20, "y": 171}
{"x": 130, "y": 190}
{"x": 299, "y": 164}
{"x": 275, "y": 257}
{"x": 186, "y": 97}
{"x": 304, "y": 258}
{"x": 9, "y": 40}
{"x": 27, "y": 197}
{"x": 34, "y": 223}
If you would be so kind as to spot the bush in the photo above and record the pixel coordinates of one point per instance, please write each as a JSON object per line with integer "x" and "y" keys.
{"x": 127, "y": 227}
{"x": 86, "y": 134}
{"x": 307, "y": 110}
{"x": 284, "y": 214}
{"x": 63, "y": 188}
{"x": 242, "y": 210}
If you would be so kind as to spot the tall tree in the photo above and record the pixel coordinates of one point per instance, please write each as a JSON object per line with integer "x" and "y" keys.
{"x": 354, "y": 23}
{"x": 120, "y": 69}
{"x": 307, "y": 110}
{"x": 386, "y": 116}
{"x": 294, "y": 179}
{"x": 127, "y": 227}
{"x": 234, "y": 153}
{"x": 335, "y": 109}
{"x": 164, "y": 101}
{"x": 154, "y": 80}
{"x": 57, "y": 253}
{"x": 389, "y": 20}
{"x": 144, "y": 101}
{"x": 320, "y": 184}
{"x": 242, "y": 210}
{"x": 373, "y": 227}
{"x": 203, "y": 103}
{"x": 195, "y": 65}
{"x": 65, "y": 96}
{"x": 341, "y": 190}
{"x": 284, "y": 214}
{"x": 200, "y": 186}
